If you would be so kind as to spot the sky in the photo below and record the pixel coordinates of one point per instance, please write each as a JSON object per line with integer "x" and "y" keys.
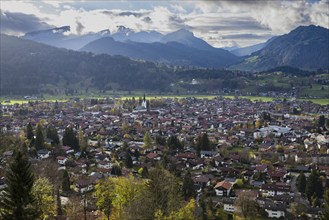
{"x": 222, "y": 23}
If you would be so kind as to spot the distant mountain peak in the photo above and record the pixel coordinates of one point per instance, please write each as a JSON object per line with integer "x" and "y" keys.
{"x": 124, "y": 30}
{"x": 104, "y": 32}
{"x": 184, "y": 32}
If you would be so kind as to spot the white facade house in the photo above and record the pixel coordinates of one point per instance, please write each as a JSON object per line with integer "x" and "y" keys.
{"x": 275, "y": 211}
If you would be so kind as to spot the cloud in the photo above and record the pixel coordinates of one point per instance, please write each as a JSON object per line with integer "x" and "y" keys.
{"x": 18, "y": 23}
{"x": 221, "y": 23}
{"x": 79, "y": 27}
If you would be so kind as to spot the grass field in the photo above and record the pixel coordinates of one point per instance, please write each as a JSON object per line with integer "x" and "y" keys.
{"x": 62, "y": 99}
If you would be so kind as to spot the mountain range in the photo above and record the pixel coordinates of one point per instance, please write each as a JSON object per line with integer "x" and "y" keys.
{"x": 305, "y": 47}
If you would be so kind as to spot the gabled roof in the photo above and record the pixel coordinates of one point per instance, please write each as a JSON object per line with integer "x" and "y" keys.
{"x": 223, "y": 184}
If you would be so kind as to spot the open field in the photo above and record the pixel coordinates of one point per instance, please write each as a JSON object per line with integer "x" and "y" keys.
{"x": 9, "y": 101}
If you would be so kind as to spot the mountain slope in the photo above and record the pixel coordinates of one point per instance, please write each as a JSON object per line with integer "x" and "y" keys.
{"x": 171, "y": 52}
{"x": 187, "y": 38}
{"x": 306, "y": 47}
{"x": 246, "y": 51}
{"x": 28, "y": 67}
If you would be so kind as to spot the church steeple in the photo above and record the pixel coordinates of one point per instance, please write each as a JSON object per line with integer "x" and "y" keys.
{"x": 144, "y": 104}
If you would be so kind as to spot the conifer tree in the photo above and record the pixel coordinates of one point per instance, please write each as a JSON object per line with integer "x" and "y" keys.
{"x": 29, "y": 131}
{"x": 314, "y": 185}
{"x": 69, "y": 139}
{"x": 66, "y": 181}
{"x": 18, "y": 202}
{"x": 188, "y": 186}
{"x": 39, "y": 140}
{"x": 128, "y": 161}
{"x": 203, "y": 143}
{"x": 301, "y": 182}
{"x": 52, "y": 134}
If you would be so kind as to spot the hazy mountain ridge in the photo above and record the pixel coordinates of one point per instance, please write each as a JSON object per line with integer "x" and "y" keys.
{"x": 171, "y": 52}
{"x": 246, "y": 51}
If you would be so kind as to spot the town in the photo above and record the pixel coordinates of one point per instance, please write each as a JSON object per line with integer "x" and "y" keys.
{"x": 236, "y": 158}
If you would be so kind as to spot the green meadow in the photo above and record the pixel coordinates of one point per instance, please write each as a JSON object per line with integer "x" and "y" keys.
{"x": 8, "y": 101}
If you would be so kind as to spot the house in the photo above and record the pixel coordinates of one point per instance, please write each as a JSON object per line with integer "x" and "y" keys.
{"x": 43, "y": 153}
{"x": 67, "y": 149}
{"x": 261, "y": 168}
{"x": 275, "y": 210}
{"x": 276, "y": 175}
{"x": 61, "y": 160}
{"x": 276, "y": 189}
{"x": 207, "y": 154}
{"x": 153, "y": 156}
{"x": 228, "y": 204}
{"x": 85, "y": 184}
{"x": 203, "y": 180}
{"x": 223, "y": 188}
{"x": 104, "y": 165}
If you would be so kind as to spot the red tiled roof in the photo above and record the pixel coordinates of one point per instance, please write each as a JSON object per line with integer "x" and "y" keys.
{"x": 224, "y": 184}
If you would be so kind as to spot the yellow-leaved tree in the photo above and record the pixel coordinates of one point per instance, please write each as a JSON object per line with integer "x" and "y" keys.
{"x": 43, "y": 193}
{"x": 115, "y": 194}
{"x": 184, "y": 213}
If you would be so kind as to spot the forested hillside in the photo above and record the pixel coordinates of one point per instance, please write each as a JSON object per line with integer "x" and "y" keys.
{"x": 29, "y": 67}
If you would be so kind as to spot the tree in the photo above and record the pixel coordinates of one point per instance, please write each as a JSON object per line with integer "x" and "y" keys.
{"x": 163, "y": 191}
{"x": 186, "y": 212}
{"x": 188, "y": 186}
{"x": 42, "y": 190}
{"x": 321, "y": 121}
{"x": 325, "y": 212}
{"x": 147, "y": 141}
{"x": 18, "y": 202}
{"x": 82, "y": 139}
{"x": 203, "y": 143}
{"x": 103, "y": 195}
{"x": 314, "y": 185}
{"x": 145, "y": 172}
{"x": 248, "y": 206}
{"x": 58, "y": 203}
{"x": 39, "y": 139}
{"x": 29, "y": 131}
{"x": 116, "y": 170}
{"x": 114, "y": 196}
{"x": 128, "y": 161}
{"x": 66, "y": 181}
{"x": 173, "y": 143}
{"x": 301, "y": 182}
{"x": 69, "y": 138}
{"x": 160, "y": 140}
{"x": 52, "y": 134}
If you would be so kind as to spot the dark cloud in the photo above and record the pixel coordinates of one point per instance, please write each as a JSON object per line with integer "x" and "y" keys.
{"x": 79, "y": 27}
{"x": 18, "y": 23}
{"x": 126, "y": 13}
{"x": 136, "y": 14}
{"x": 147, "y": 19}
{"x": 176, "y": 22}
